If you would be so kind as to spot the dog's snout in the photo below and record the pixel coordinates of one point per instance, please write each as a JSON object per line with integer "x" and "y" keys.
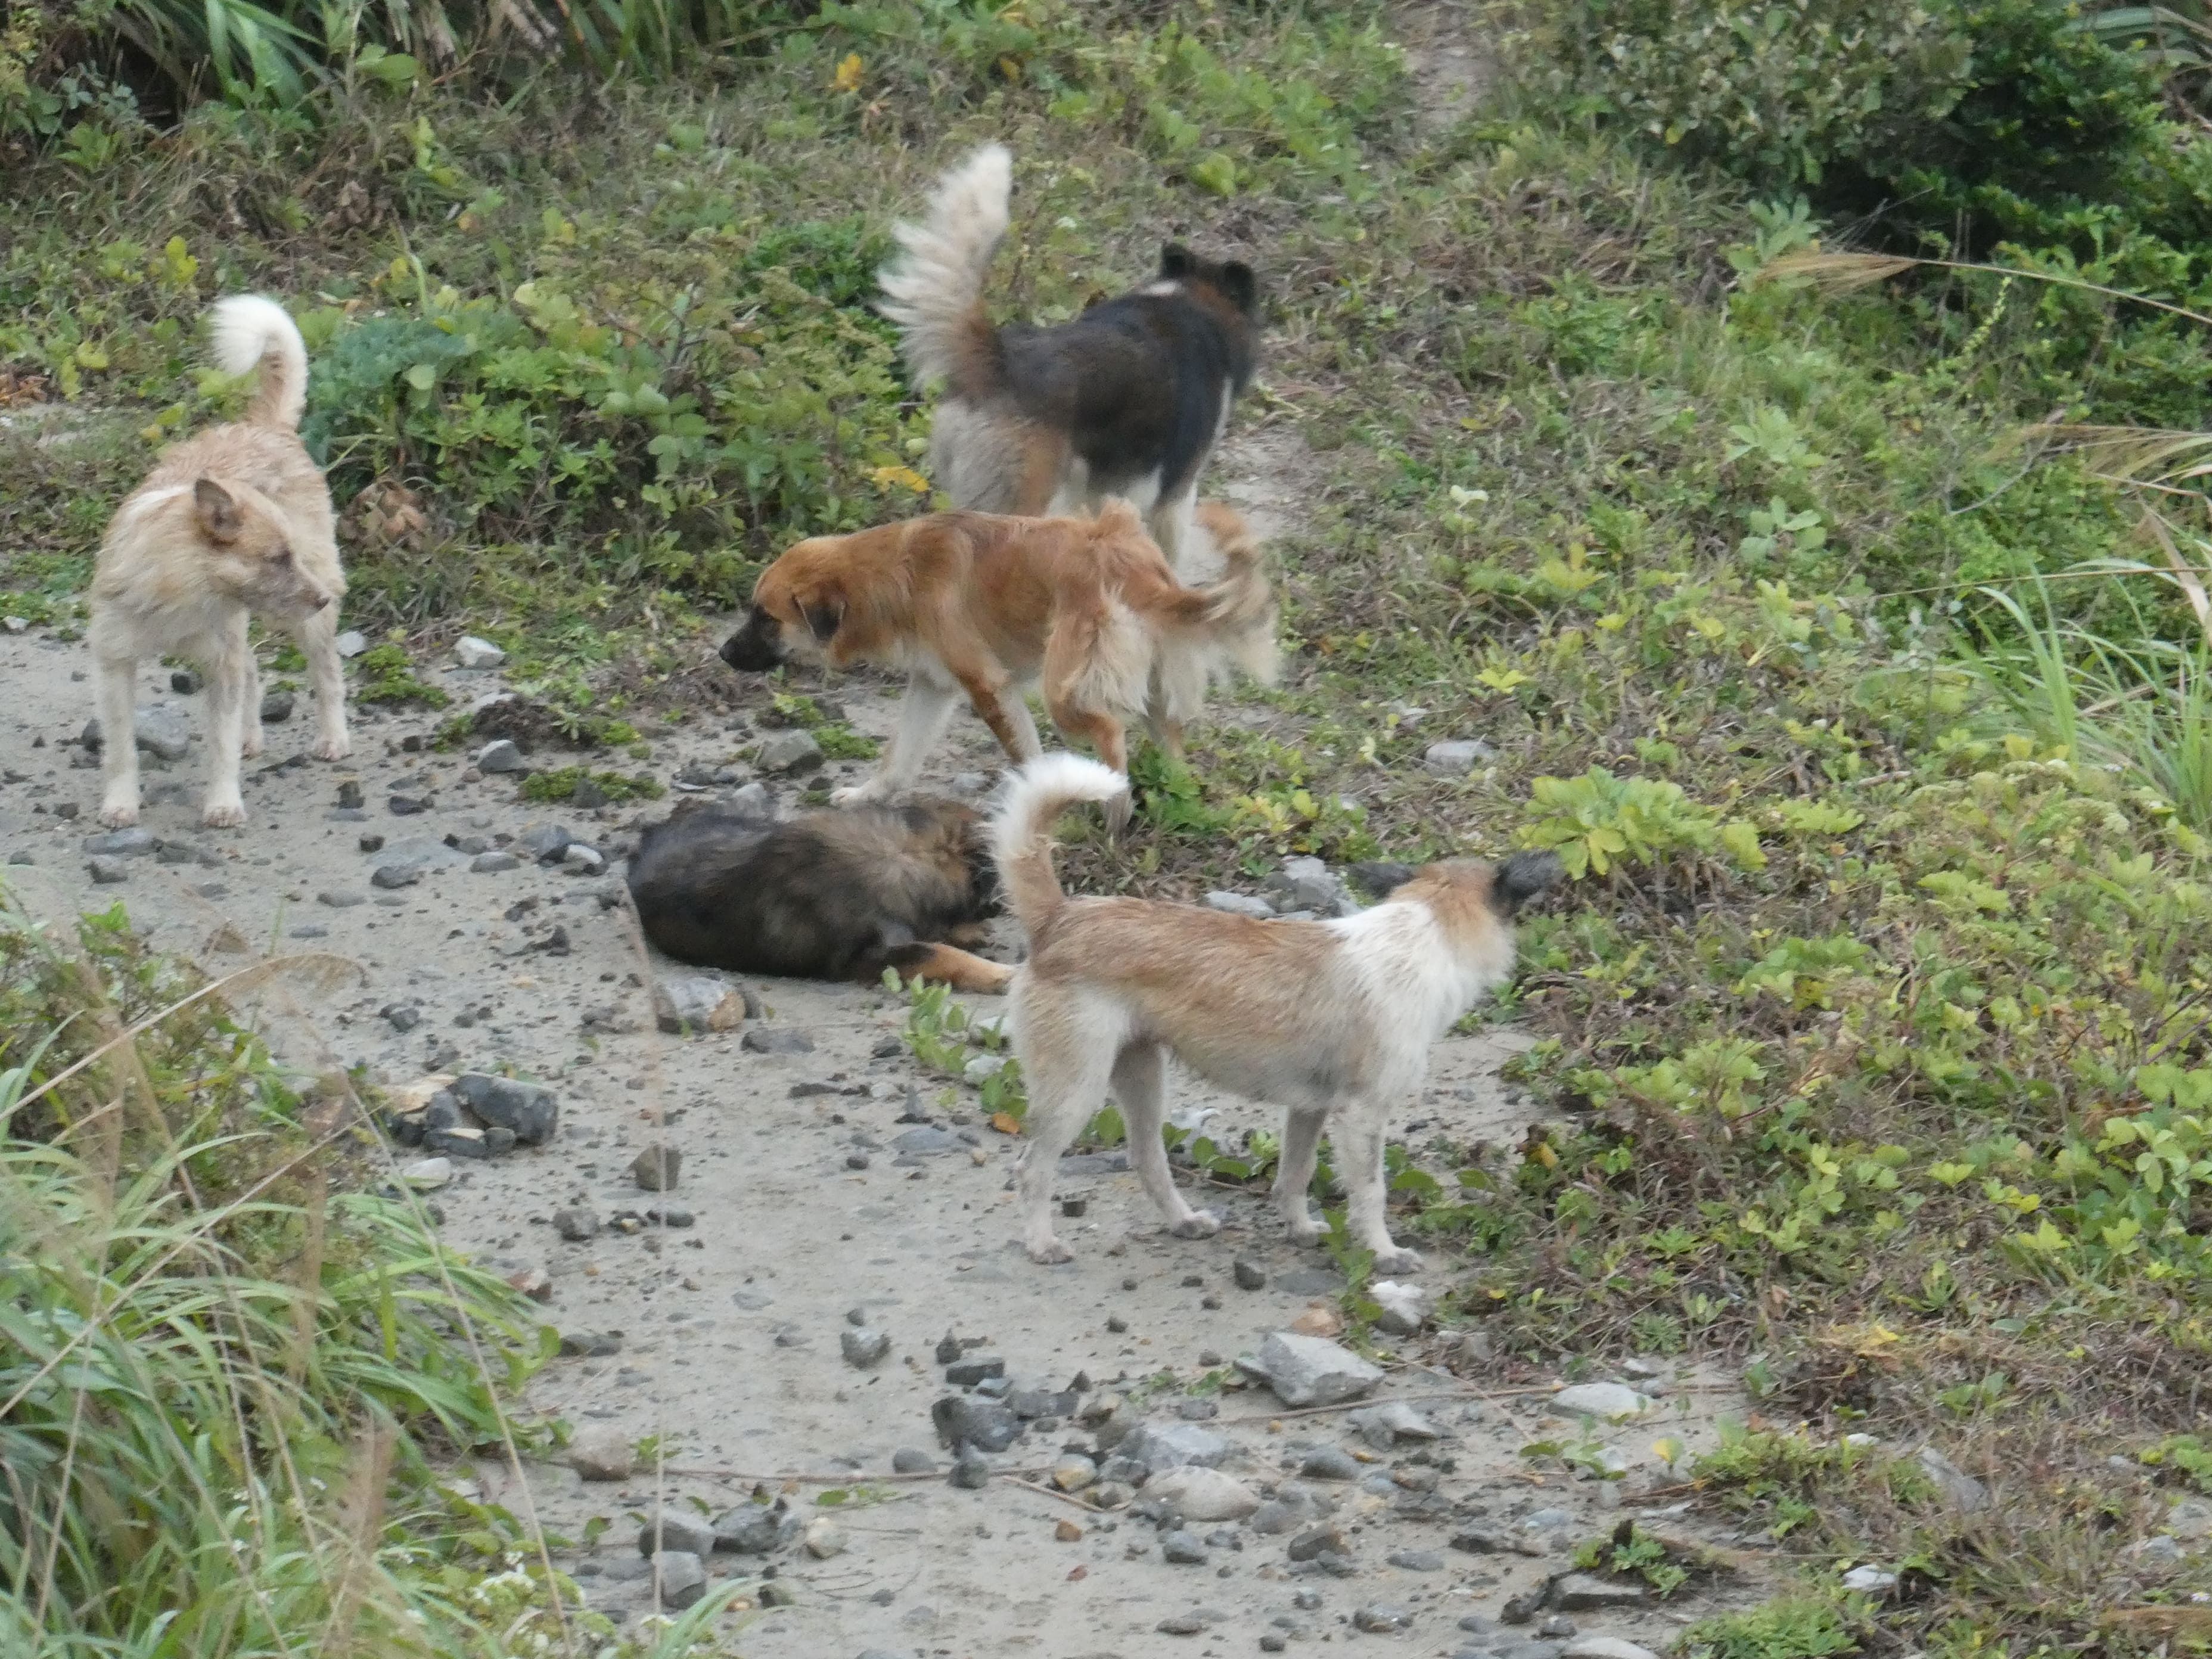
{"x": 756, "y": 647}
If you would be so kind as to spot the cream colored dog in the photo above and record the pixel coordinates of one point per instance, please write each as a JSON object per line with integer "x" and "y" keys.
{"x": 1333, "y": 1020}
{"x": 233, "y": 523}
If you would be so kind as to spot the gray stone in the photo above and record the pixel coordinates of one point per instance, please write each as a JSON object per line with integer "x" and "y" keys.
{"x": 679, "y": 1578}
{"x": 501, "y": 756}
{"x": 1074, "y": 1472}
{"x": 1182, "y": 1624}
{"x": 1321, "y": 1540}
{"x": 1401, "y": 1308}
{"x": 1307, "y": 883}
{"x": 1311, "y": 1370}
{"x": 308, "y": 930}
{"x": 1274, "y": 1517}
{"x": 696, "y": 1003}
{"x": 276, "y": 708}
{"x": 675, "y": 1529}
{"x": 1381, "y": 1617}
{"x": 530, "y": 1110}
{"x": 1581, "y": 1592}
{"x": 578, "y": 860}
{"x": 927, "y": 1142}
{"x": 657, "y": 1169}
{"x": 1329, "y": 1463}
{"x": 162, "y": 732}
{"x": 1160, "y": 1446}
{"x": 1417, "y": 1560}
{"x": 1124, "y": 1471}
{"x": 107, "y": 871}
{"x": 1457, "y": 757}
{"x": 1556, "y": 1628}
{"x": 122, "y": 844}
{"x": 402, "y": 1016}
{"x": 1248, "y": 1275}
{"x": 1028, "y": 1404}
{"x": 604, "y": 1453}
{"x": 471, "y": 651}
{"x": 777, "y": 1040}
{"x": 970, "y": 1470}
{"x": 1393, "y": 1420}
{"x": 863, "y": 1348}
{"x": 1614, "y": 1402}
{"x": 788, "y": 751}
{"x": 1960, "y": 1490}
{"x": 406, "y": 862}
{"x": 2160, "y": 1552}
{"x": 1871, "y": 1580}
{"x": 1604, "y": 1647}
{"x": 1182, "y": 1549}
{"x": 493, "y": 863}
{"x": 1240, "y": 904}
{"x": 755, "y": 1529}
{"x": 545, "y": 842}
{"x": 907, "y": 1461}
{"x": 458, "y": 1143}
{"x": 965, "y": 1420}
{"x": 1202, "y": 1494}
{"x": 576, "y": 1224}
{"x": 428, "y": 1173}
{"x": 340, "y": 901}
{"x": 352, "y": 643}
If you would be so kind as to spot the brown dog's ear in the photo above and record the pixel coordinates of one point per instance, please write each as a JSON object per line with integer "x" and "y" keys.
{"x": 218, "y": 511}
{"x": 822, "y": 616}
{"x": 1241, "y": 287}
{"x": 1176, "y": 260}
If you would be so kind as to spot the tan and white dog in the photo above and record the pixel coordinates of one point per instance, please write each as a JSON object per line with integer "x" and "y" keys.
{"x": 233, "y": 523}
{"x": 1333, "y": 1020}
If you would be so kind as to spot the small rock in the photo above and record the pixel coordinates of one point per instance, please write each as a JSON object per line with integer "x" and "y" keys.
{"x": 1383, "y": 1426}
{"x": 777, "y": 1040}
{"x": 122, "y": 843}
{"x": 1870, "y": 1581}
{"x": 1066, "y": 1532}
{"x": 1321, "y": 1540}
{"x": 697, "y": 1002}
{"x": 1583, "y": 1593}
{"x": 657, "y": 1168}
{"x": 755, "y": 1529}
{"x": 907, "y": 1461}
{"x": 1161, "y": 1446}
{"x": 1202, "y": 1494}
{"x": 276, "y": 708}
{"x": 1240, "y": 904}
{"x": 788, "y": 751}
{"x": 350, "y": 797}
{"x": 1960, "y": 1490}
{"x": 863, "y": 1348}
{"x": 471, "y": 651}
{"x": 107, "y": 871}
{"x": 530, "y": 1110}
{"x": 604, "y": 1453}
{"x": 1307, "y": 883}
{"x": 533, "y": 1282}
{"x": 967, "y": 1373}
{"x": 576, "y": 1224}
{"x": 458, "y": 1143}
{"x": 1180, "y": 1624}
{"x": 1456, "y": 758}
{"x": 1556, "y": 1628}
{"x": 1073, "y": 1472}
{"x": 1614, "y": 1402}
{"x": 679, "y": 1578}
{"x": 493, "y": 863}
{"x": 578, "y": 860}
{"x": 1381, "y": 1617}
{"x": 352, "y": 643}
{"x": 965, "y": 1420}
{"x": 970, "y": 1471}
{"x": 1417, "y": 1560}
{"x": 545, "y": 842}
{"x": 1604, "y": 1647}
{"x": 1329, "y": 1463}
{"x": 1182, "y": 1549}
{"x": 675, "y": 1529}
{"x": 1275, "y": 1517}
{"x": 823, "y": 1538}
{"x": 1248, "y": 1275}
{"x": 1309, "y": 1371}
{"x": 501, "y": 756}
{"x": 338, "y": 900}
{"x": 429, "y": 1175}
{"x": 1320, "y": 1320}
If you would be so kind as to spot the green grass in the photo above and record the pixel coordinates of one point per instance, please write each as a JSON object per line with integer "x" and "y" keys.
{"x": 1872, "y": 1053}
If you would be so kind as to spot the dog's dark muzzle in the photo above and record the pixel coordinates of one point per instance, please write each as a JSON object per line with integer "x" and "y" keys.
{"x": 756, "y": 648}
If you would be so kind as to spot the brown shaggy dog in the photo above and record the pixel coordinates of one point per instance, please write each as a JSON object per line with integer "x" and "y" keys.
{"x": 1125, "y": 402}
{"x": 827, "y": 896}
{"x": 233, "y": 523}
{"x": 977, "y": 604}
{"x": 1330, "y": 1020}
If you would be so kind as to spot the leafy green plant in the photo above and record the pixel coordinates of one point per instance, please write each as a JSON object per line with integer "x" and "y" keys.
{"x": 1802, "y": 1627}
{"x": 1631, "y": 1552}
{"x": 1598, "y": 820}
{"x": 563, "y": 783}
{"x": 385, "y": 673}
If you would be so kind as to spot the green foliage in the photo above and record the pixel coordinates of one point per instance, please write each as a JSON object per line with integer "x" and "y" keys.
{"x": 563, "y": 782}
{"x": 385, "y": 673}
{"x": 1639, "y": 1555}
{"x": 836, "y": 740}
{"x": 1789, "y": 1628}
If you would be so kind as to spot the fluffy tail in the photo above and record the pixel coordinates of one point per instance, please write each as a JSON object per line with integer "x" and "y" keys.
{"x": 250, "y": 330}
{"x": 1237, "y": 612}
{"x": 1021, "y": 833}
{"x": 934, "y": 291}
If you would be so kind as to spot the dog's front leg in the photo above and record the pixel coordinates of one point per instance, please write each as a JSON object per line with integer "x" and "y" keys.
{"x": 230, "y": 674}
{"x": 1171, "y": 524}
{"x": 318, "y": 634}
{"x": 1140, "y": 1083}
{"x": 1294, "y": 1174}
{"x": 251, "y": 742}
{"x": 118, "y": 678}
{"x": 1359, "y": 1139}
{"x": 923, "y": 713}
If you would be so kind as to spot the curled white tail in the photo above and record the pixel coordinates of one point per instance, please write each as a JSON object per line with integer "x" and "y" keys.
{"x": 248, "y": 329}
{"x": 1021, "y": 831}
{"x": 934, "y": 290}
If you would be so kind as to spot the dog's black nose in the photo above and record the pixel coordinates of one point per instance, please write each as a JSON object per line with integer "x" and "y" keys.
{"x": 756, "y": 648}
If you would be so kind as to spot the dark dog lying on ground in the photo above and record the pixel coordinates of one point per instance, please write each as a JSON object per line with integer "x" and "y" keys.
{"x": 839, "y": 895}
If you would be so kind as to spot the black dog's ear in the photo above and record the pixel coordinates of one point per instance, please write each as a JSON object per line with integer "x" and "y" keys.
{"x": 1381, "y": 877}
{"x": 1240, "y": 285}
{"x": 824, "y": 617}
{"x": 1176, "y": 260}
{"x": 1521, "y": 878}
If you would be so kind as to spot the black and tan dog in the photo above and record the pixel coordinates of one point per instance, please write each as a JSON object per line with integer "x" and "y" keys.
{"x": 1125, "y": 402}
{"x": 838, "y": 896}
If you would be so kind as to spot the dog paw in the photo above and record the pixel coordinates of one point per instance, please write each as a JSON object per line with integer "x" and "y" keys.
{"x": 337, "y": 748}
{"x": 253, "y": 744}
{"x": 1304, "y": 1232}
{"x": 855, "y": 794}
{"x": 224, "y": 814}
{"x": 1199, "y": 1224}
{"x": 1050, "y": 1253}
{"x": 1395, "y": 1261}
{"x": 119, "y": 815}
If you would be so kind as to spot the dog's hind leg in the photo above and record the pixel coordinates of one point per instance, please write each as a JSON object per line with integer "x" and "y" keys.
{"x": 1065, "y": 1068}
{"x": 318, "y": 634}
{"x": 1172, "y": 524}
{"x": 948, "y": 965}
{"x": 230, "y": 674}
{"x": 1359, "y": 1164}
{"x": 988, "y": 696}
{"x": 251, "y": 742}
{"x": 927, "y": 705}
{"x": 117, "y": 677}
{"x": 1140, "y": 1083}
{"x": 1294, "y": 1173}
